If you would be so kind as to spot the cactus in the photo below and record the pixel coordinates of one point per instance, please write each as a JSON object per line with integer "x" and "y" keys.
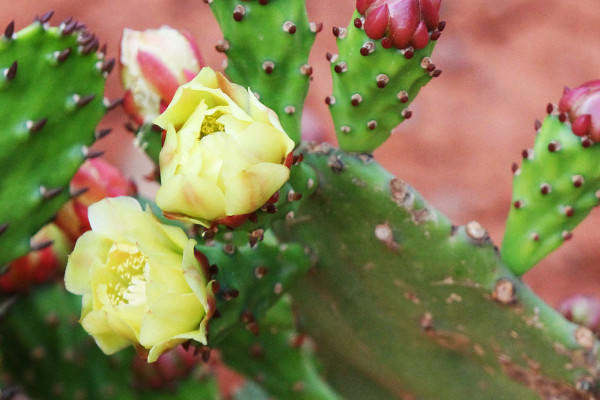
{"x": 554, "y": 189}
{"x": 374, "y": 81}
{"x": 52, "y": 95}
{"x": 267, "y": 44}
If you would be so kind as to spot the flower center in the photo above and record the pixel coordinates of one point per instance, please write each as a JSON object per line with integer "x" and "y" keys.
{"x": 130, "y": 285}
{"x": 210, "y": 124}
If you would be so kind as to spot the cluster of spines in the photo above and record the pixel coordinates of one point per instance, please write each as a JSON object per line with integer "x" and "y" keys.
{"x": 44, "y": 119}
{"x": 554, "y": 189}
{"x": 267, "y": 46}
{"x": 373, "y": 85}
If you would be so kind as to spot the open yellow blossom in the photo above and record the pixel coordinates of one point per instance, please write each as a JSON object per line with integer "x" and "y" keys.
{"x": 140, "y": 280}
{"x": 224, "y": 152}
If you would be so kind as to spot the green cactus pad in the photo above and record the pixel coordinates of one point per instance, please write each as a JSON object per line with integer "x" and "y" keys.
{"x": 403, "y": 304}
{"x": 267, "y": 45}
{"x": 280, "y": 359}
{"x": 555, "y": 188}
{"x": 51, "y": 98}
{"x": 372, "y": 86}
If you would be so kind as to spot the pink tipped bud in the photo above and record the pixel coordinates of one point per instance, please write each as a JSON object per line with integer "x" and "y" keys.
{"x": 154, "y": 63}
{"x": 582, "y": 105}
{"x": 583, "y": 310}
{"x": 402, "y": 23}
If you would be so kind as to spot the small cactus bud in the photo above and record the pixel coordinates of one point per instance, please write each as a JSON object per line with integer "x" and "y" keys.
{"x": 582, "y": 106}
{"x": 583, "y": 310}
{"x": 403, "y": 22}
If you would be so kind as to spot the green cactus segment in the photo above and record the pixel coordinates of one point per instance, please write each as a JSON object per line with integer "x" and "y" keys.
{"x": 149, "y": 139}
{"x": 250, "y": 391}
{"x": 555, "y": 188}
{"x": 267, "y": 44}
{"x": 280, "y": 359}
{"x": 250, "y": 280}
{"x": 45, "y": 351}
{"x": 372, "y": 86}
{"x": 51, "y": 98}
{"x": 401, "y": 302}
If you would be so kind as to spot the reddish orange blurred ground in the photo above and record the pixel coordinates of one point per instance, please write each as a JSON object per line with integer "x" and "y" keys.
{"x": 502, "y": 62}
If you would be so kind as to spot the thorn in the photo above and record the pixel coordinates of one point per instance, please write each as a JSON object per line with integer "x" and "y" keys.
{"x": 103, "y": 49}
{"x": 569, "y": 211}
{"x": 358, "y": 23}
{"x": 441, "y": 26}
{"x": 545, "y": 188}
{"x": 408, "y": 53}
{"x": 290, "y": 110}
{"x": 35, "y": 126}
{"x": 306, "y": 70}
{"x": 356, "y": 99}
{"x": 518, "y": 204}
{"x": 554, "y": 146}
{"x": 293, "y": 196}
{"x": 50, "y": 193}
{"x": 205, "y": 350}
{"x": 331, "y": 57}
{"x": 68, "y": 27}
{"x": 406, "y": 113}
{"x": 9, "y": 30}
{"x": 231, "y": 294}
{"x": 108, "y": 66}
{"x": 566, "y": 235}
{"x": 46, "y": 17}
{"x": 85, "y": 38}
{"x": 341, "y": 67}
{"x": 527, "y": 154}
{"x": 89, "y": 154}
{"x": 3, "y": 228}
{"x": 316, "y": 27}
{"x": 239, "y": 12}
{"x": 562, "y": 117}
{"x": 101, "y": 133}
{"x": 268, "y": 66}
{"x": 549, "y": 108}
{"x": 577, "y": 180}
{"x": 367, "y": 48}
{"x": 372, "y": 124}
{"x": 435, "y": 35}
{"x": 40, "y": 245}
{"x": 77, "y": 192}
{"x": 330, "y": 100}
{"x": 514, "y": 168}
{"x": 537, "y": 125}
{"x": 91, "y": 47}
{"x": 222, "y": 46}
{"x": 339, "y": 32}
{"x": 11, "y": 71}
{"x": 436, "y": 73}
{"x": 253, "y": 328}
{"x": 261, "y": 271}
{"x": 82, "y": 101}
{"x": 403, "y": 96}
{"x": 289, "y": 27}
{"x": 586, "y": 142}
{"x": 61, "y": 56}
{"x": 382, "y": 81}
{"x": 112, "y": 104}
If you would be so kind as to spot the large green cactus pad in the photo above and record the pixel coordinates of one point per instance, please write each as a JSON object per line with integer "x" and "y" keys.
{"x": 555, "y": 188}
{"x": 51, "y": 98}
{"x": 401, "y": 302}
{"x": 267, "y": 45}
{"x": 372, "y": 86}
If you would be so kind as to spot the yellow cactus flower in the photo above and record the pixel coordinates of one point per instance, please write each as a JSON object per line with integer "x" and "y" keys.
{"x": 140, "y": 280}
{"x": 224, "y": 155}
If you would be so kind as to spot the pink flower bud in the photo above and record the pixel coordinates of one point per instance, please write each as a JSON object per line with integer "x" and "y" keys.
{"x": 583, "y": 310}
{"x": 38, "y": 266}
{"x": 101, "y": 180}
{"x": 154, "y": 63}
{"x": 582, "y": 105}
{"x": 404, "y": 22}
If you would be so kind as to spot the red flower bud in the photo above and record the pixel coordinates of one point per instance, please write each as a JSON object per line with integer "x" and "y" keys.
{"x": 582, "y": 105}
{"x": 404, "y": 22}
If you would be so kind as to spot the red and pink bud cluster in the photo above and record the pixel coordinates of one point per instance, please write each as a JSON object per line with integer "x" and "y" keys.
{"x": 404, "y": 23}
{"x": 582, "y": 105}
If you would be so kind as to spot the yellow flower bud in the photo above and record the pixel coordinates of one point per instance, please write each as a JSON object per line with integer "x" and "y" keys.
{"x": 140, "y": 280}
{"x": 224, "y": 152}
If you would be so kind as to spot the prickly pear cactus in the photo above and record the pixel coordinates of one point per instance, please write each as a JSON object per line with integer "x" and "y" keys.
{"x": 373, "y": 83}
{"x": 51, "y": 91}
{"x": 404, "y": 304}
{"x": 267, "y": 44}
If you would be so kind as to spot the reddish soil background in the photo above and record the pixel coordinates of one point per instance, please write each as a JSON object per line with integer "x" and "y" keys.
{"x": 502, "y": 63}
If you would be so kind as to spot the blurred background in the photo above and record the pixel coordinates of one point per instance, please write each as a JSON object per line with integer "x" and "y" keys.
{"x": 502, "y": 63}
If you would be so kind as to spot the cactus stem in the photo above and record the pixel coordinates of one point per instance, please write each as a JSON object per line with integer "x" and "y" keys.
{"x": 9, "y": 30}
{"x": 89, "y": 154}
{"x": 77, "y": 192}
{"x": 101, "y": 133}
{"x": 111, "y": 104}
{"x": 81, "y": 101}
{"x": 268, "y": 66}
{"x": 577, "y": 180}
{"x": 316, "y": 27}
{"x": 3, "y": 228}
{"x": 40, "y": 245}
{"x": 35, "y": 126}
{"x": 356, "y": 99}
{"x": 239, "y": 12}
{"x": 50, "y": 193}
{"x": 545, "y": 188}
{"x": 61, "y": 56}
{"x": 11, "y": 72}
{"x": 289, "y": 27}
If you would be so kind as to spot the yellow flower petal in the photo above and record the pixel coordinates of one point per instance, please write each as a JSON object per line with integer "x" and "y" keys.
{"x": 90, "y": 252}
